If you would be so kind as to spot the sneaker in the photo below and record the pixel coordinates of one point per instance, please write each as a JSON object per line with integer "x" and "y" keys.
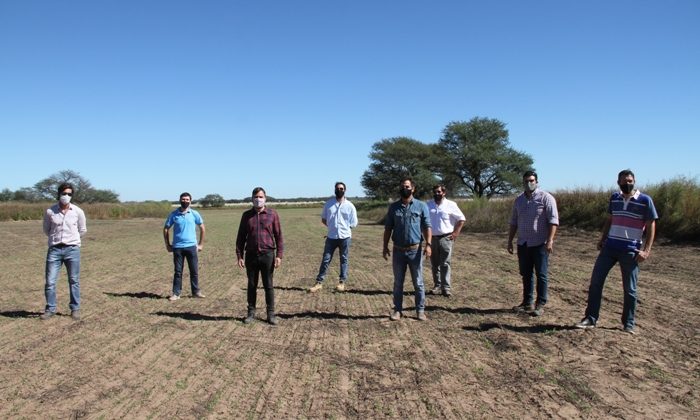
{"x": 539, "y": 310}
{"x": 395, "y": 316}
{"x": 250, "y": 317}
{"x": 446, "y": 293}
{"x": 340, "y": 287}
{"x": 173, "y": 298}
{"x": 272, "y": 319}
{"x": 585, "y": 324}
{"x": 436, "y": 291}
{"x": 198, "y": 295}
{"x": 524, "y": 307}
{"x": 75, "y": 315}
{"x": 46, "y": 315}
{"x": 316, "y": 288}
{"x": 421, "y": 316}
{"x": 630, "y": 330}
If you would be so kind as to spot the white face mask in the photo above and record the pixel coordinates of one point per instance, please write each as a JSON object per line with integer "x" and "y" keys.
{"x": 64, "y": 199}
{"x": 531, "y": 186}
{"x": 258, "y": 202}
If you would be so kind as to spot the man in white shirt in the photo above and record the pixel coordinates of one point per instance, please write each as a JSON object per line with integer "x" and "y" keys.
{"x": 446, "y": 220}
{"x": 340, "y": 216}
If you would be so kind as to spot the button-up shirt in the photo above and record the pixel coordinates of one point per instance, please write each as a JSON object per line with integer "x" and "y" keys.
{"x": 407, "y": 222}
{"x": 259, "y": 233}
{"x": 532, "y": 216}
{"x": 340, "y": 217}
{"x": 64, "y": 228}
{"x": 444, "y": 216}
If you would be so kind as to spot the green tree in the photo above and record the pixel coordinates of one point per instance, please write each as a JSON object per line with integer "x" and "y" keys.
{"x": 83, "y": 192}
{"x": 6, "y": 194}
{"x": 395, "y": 158}
{"x": 212, "y": 200}
{"x": 478, "y": 153}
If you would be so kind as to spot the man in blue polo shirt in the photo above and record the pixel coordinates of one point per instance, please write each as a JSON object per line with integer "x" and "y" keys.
{"x": 628, "y": 235}
{"x": 185, "y": 245}
{"x": 407, "y": 225}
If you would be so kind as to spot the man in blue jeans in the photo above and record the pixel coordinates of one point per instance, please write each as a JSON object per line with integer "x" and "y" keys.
{"x": 628, "y": 235}
{"x": 340, "y": 216}
{"x": 185, "y": 245}
{"x": 407, "y": 224}
{"x": 64, "y": 224}
{"x": 535, "y": 218}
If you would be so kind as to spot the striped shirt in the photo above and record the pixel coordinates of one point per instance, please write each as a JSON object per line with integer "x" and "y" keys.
{"x": 629, "y": 219}
{"x": 533, "y": 216}
{"x": 259, "y": 233}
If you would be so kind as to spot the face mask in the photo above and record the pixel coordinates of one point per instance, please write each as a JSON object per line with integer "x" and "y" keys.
{"x": 437, "y": 197}
{"x": 64, "y": 199}
{"x": 530, "y": 186}
{"x": 405, "y": 192}
{"x": 184, "y": 204}
{"x": 339, "y": 193}
{"x": 258, "y": 202}
{"x": 627, "y": 188}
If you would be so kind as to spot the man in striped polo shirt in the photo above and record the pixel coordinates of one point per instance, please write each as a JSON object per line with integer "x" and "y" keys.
{"x": 627, "y": 237}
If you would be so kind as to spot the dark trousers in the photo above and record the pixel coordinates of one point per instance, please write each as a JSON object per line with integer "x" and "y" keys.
{"x": 257, "y": 266}
{"x": 189, "y": 254}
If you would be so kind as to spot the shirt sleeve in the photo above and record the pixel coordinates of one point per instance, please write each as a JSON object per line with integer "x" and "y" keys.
{"x": 279, "y": 240}
{"x": 47, "y": 222}
{"x": 514, "y": 214}
{"x": 552, "y": 211}
{"x": 82, "y": 223}
{"x": 425, "y": 217}
{"x": 241, "y": 237}
{"x": 353, "y": 216}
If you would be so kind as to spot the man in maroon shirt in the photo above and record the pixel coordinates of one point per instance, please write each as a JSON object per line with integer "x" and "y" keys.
{"x": 259, "y": 248}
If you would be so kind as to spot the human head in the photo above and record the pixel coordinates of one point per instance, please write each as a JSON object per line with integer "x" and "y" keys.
{"x": 530, "y": 181}
{"x": 439, "y": 191}
{"x": 625, "y": 180}
{"x": 407, "y": 187}
{"x": 65, "y": 188}
{"x": 340, "y": 189}
{"x": 259, "y": 196}
{"x": 185, "y": 200}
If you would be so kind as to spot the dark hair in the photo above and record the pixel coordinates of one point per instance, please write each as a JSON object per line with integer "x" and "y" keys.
{"x": 186, "y": 194}
{"x": 340, "y": 183}
{"x": 408, "y": 178}
{"x": 625, "y": 173}
{"x": 64, "y": 186}
{"x": 257, "y": 190}
{"x": 440, "y": 186}
{"x": 528, "y": 174}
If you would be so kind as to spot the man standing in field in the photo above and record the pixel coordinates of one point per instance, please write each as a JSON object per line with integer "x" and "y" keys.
{"x": 259, "y": 248}
{"x": 64, "y": 224}
{"x": 627, "y": 237}
{"x": 535, "y": 218}
{"x": 185, "y": 245}
{"x": 340, "y": 216}
{"x": 407, "y": 225}
{"x": 446, "y": 221}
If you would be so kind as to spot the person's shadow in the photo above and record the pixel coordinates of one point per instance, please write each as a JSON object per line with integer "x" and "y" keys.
{"x": 137, "y": 295}
{"x": 20, "y": 314}
{"x": 190, "y": 316}
{"x": 327, "y": 315}
{"x": 469, "y": 311}
{"x": 530, "y": 329}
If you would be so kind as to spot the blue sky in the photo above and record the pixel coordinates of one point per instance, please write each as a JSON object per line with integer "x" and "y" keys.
{"x": 152, "y": 98}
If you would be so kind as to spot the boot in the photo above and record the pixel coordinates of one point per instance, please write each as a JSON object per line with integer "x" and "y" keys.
{"x": 271, "y": 318}
{"x": 251, "y": 316}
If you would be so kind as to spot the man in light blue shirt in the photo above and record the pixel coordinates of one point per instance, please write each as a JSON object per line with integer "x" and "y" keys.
{"x": 340, "y": 216}
{"x": 407, "y": 224}
{"x": 185, "y": 246}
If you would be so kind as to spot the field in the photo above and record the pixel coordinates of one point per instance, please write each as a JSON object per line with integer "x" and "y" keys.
{"x": 337, "y": 355}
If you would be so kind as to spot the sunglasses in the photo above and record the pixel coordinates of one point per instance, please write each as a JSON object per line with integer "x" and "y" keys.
{"x": 67, "y": 193}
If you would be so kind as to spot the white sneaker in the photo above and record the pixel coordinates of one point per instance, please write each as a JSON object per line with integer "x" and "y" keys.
{"x": 316, "y": 288}
{"x": 340, "y": 287}
{"x": 173, "y": 298}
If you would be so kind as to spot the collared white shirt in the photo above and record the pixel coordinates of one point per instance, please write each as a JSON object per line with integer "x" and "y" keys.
{"x": 340, "y": 217}
{"x": 444, "y": 216}
{"x": 64, "y": 228}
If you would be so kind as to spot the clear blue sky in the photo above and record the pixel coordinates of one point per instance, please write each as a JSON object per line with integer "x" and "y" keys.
{"x": 152, "y": 98}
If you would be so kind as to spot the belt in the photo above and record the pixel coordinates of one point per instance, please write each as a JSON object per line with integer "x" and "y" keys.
{"x": 407, "y": 248}
{"x": 60, "y": 245}
{"x": 441, "y": 236}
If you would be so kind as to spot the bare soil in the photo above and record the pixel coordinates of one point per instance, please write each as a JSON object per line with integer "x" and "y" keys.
{"x": 337, "y": 355}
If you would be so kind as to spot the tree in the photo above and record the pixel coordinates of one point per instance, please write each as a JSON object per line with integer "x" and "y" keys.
{"x": 478, "y": 153}
{"x": 212, "y": 200}
{"x": 83, "y": 189}
{"x": 395, "y": 158}
{"x": 6, "y": 194}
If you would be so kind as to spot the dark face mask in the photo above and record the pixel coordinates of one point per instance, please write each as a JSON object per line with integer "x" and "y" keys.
{"x": 405, "y": 192}
{"x": 184, "y": 204}
{"x": 437, "y": 197}
{"x": 339, "y": 193}
{"x": 626, "y": 188}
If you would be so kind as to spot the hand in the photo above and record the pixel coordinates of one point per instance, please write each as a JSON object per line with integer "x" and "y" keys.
{"x": 550, "y": 247}
{"x": 428, "y": 251}
{"x": 278, "y": 261}
{"x": 510, "y": 248}
{"x": 169, "y": 247}
{"x": 386, "y": 253}
{"x": 200, "y": 247}
{"x": 642, "y": 255}
{"x": 599, "y": 246}
{"x": 241, "y": 263}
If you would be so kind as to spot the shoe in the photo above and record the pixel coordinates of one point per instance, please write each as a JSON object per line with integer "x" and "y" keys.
{"x": 340, "y": 287}
{"x": 446, "y": 293}
{"x": 524, "y": 307}
{"x": 316, "y": 288}
{"x": 585, "y": 324}
{"x": 46, "y": 315}
{"x": 198, "y": 295}
{"x": 436, "y": 291}
{"x": 173, "y": 298}
{"x": 539, "y": 310}
{"x": 75, "y": 315}
{"x": 250, "y": 317}
{"x": 421, "y": 316}
{"x": 630, "y": 330}
{"x": 395, "y": 316}
{"x": 272, "y": 319}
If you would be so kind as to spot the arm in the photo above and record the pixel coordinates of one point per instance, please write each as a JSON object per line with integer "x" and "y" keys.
{"x": 650, "y": 233}
{"x": 324, "y": 221}
{"x": 240, "y": 242}
{"x": 385, "y": 250}
{"x": 428, "y": 235}
{"x": 82, "y": 224}
{"x": 200, "y": 245}
{"x": 604, "y": 234}
{"x": 457, "y": 230}
{"x": 511, "y": 235}
{"x": 166, "y": 237}
{"x": 47, "y": 223}
{"x": 550, "y": 238}
{"x": 353, "y": 217}
{"x": 279, "y": 240}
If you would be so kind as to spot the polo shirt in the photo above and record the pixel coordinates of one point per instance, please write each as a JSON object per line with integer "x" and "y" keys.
{"x": 184, "y": 232}
{"x": 629, "y": 219}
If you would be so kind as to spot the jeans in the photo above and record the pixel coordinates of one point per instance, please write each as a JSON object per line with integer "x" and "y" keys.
{"x": 328, "y": 250}
{"x": 440, "y": 261}
{"x": 537, "y": 258}
{"x": 189, "y": 253}
{"x": 55, "y": 256}
{"x": 630, "y": 269}
{"x": 257, "y": 266}
{"x": 411, "y": 259}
